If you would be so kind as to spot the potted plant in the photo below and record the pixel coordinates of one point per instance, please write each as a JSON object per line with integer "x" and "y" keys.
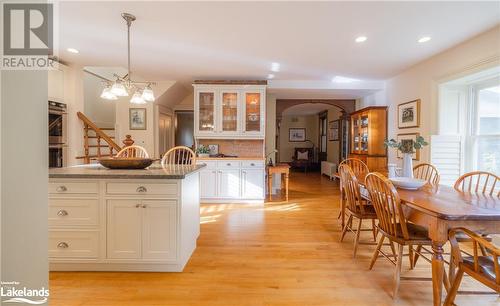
{"x": 407, "y": 148}
{"x": 203, "y": 151}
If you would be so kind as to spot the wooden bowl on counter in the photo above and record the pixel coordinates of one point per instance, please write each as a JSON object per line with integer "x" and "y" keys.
{"x": 125, "y": 162}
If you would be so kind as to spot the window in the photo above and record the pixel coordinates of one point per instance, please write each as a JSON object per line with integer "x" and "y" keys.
{"x": 485, "y": 126}
{"x": 468, "y": 137}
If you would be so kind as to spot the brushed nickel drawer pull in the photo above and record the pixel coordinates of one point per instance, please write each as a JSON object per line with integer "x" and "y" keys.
{"x": 252, "y": 164}
{"x": 228, "y": 164}
{"x": 62, "y": 213}
{"x": 62, "y": 189}
{"x": 144, "y": 206}
{"x": 141, "y": 189}
{"x": 62, "y": 245}
{"x": 137, "y": 205}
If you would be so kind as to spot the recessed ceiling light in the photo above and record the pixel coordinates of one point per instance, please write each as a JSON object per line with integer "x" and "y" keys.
{"x": 73, "y": 50}
{"x": 275, "y": 67}
{"x": 341, "y": 79}
{"x": 361, "y": 39}
{"x": 424, "y": 39}
{"x": 270, "y": 76}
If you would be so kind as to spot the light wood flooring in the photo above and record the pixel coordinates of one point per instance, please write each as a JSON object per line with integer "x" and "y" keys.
{"x": 277, "y": 254}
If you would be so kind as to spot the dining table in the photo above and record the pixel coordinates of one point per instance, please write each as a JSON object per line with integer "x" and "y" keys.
{"x": 440, "y": 208}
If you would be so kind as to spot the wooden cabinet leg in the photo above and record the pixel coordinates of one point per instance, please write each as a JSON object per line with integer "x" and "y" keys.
{"x": 270, "y": 185}
{"x": 286, "y": 186}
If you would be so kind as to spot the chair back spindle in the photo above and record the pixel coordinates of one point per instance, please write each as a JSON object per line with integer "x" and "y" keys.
{"x": 351, "y": 188}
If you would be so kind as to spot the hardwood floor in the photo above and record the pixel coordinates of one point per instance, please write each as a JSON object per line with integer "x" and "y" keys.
{"x": 277, "y": 254}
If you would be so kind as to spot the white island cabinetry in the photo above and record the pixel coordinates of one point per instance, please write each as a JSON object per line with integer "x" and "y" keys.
{"x": 129, "y": 224}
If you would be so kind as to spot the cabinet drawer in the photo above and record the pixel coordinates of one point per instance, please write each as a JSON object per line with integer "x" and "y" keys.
{"x": 228, "y": 164}
{"x": 210, "y": 164}
{"x": 142, "y": 189}
{"x": 74, "y": 244}
{"x": 252, "y": 164}
{"x": 73, "y": 212}
{"x": 72, "y": 187}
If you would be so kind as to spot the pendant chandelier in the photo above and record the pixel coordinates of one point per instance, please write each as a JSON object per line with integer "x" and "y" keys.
{"x": 123, "y": 86}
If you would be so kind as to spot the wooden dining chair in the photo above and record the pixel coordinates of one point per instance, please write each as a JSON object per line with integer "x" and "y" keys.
{"x": 360, "y": 169}
{"x": 479, "y": 182}
{"x": 427, "y": 172}
{"x": 179, "y": 156}
{"x": 356, "y": 205}
{"x": 484, "y": 268}
{"x": 133, "y": 151}
{"x": 392, "y": 224}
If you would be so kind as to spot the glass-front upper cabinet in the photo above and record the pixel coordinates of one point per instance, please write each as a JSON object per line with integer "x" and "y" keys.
{"x": 206, "y": 111}
{"x": 253, "y": 112}
{"x": 229, "y": 111}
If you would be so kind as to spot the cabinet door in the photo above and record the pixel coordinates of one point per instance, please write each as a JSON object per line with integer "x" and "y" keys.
{"x": 229, "y": 183}
{"x": 124, "y": 229}
{"x": 159, "y": 236}
{"x": 253, "y": 112}
{"x": 208, "y": 188}
{"x": 228, "y": 111}
{"x": 252, "y": 181}
{"x": 205, "y": 111}
{"x": 55, "y": 82}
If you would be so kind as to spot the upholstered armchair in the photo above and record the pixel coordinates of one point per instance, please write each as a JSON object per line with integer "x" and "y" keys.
{"x": 302, "y": 158}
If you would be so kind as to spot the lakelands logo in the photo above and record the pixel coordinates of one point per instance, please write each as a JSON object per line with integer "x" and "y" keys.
{"x": 27, "y": 36}
{"x": 10, "y": 293}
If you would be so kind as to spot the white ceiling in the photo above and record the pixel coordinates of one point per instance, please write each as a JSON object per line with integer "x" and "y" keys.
{"x": 306, "y": 109}
{"x": 239, "y": 40}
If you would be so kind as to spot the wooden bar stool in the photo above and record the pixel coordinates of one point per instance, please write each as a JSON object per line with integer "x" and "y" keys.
{"x": 281, "y": 169}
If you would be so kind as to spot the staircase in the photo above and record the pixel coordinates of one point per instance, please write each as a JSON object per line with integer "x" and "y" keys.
{"x": 97, "y": 142}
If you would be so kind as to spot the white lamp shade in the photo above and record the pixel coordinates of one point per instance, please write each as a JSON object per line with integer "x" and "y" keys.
{"x": 119, "y": 90}
{"x": 107, "y": 94}
{"x": 148, "y": 94}
{"x": 137, "y": 98}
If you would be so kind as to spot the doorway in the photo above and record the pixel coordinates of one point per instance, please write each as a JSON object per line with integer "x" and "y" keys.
{"x": 323, "y": 142}
{"x": 165, "y": 133}
{"x": 184, "y": 128}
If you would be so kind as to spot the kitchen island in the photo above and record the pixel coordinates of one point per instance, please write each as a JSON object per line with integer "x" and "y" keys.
{"x": 123, "y": 220}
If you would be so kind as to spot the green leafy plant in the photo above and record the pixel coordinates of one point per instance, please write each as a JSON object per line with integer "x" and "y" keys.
{"x": 407, "y": 145}
{"x": 203, "y": 150}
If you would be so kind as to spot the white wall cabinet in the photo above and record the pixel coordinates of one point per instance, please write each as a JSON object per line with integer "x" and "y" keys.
{"x": 229, "y": 111}
{"x": 232, "y": 181}
{"x": 55, "y": 82}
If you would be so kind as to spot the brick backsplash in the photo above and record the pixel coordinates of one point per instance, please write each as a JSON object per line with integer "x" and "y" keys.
{"x": 239, "y": 147}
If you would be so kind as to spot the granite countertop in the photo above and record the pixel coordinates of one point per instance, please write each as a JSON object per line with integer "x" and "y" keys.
{"x": 96, "y": 171}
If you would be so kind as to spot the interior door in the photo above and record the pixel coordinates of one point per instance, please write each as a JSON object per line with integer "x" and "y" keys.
{"x": 124, "y": 229}
{"x": 164, "y": 133}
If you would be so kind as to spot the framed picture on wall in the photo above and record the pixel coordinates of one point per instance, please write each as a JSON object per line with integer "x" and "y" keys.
{"x": 409, "y": 114}
{"x": 412, "y": 137}
{"x": 137, "y": 119}
{"x": 334, "y": 130}
{"x": 296, "y": 134}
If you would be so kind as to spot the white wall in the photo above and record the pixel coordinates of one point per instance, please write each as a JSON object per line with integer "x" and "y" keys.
{"x": 270, "y": 141}
{"x": 24, "y": 178}
{"x": 101, "y": 112}
{"x": 310, "y": 123}
{"x": 421, "y": 82}
{"x": 333, "y": 147}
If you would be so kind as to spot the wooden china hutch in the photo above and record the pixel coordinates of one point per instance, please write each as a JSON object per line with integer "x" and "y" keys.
{"x": 368, "y": 132}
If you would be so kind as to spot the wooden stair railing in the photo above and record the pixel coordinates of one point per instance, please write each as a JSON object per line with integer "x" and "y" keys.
{"x": 99, "y": 135}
